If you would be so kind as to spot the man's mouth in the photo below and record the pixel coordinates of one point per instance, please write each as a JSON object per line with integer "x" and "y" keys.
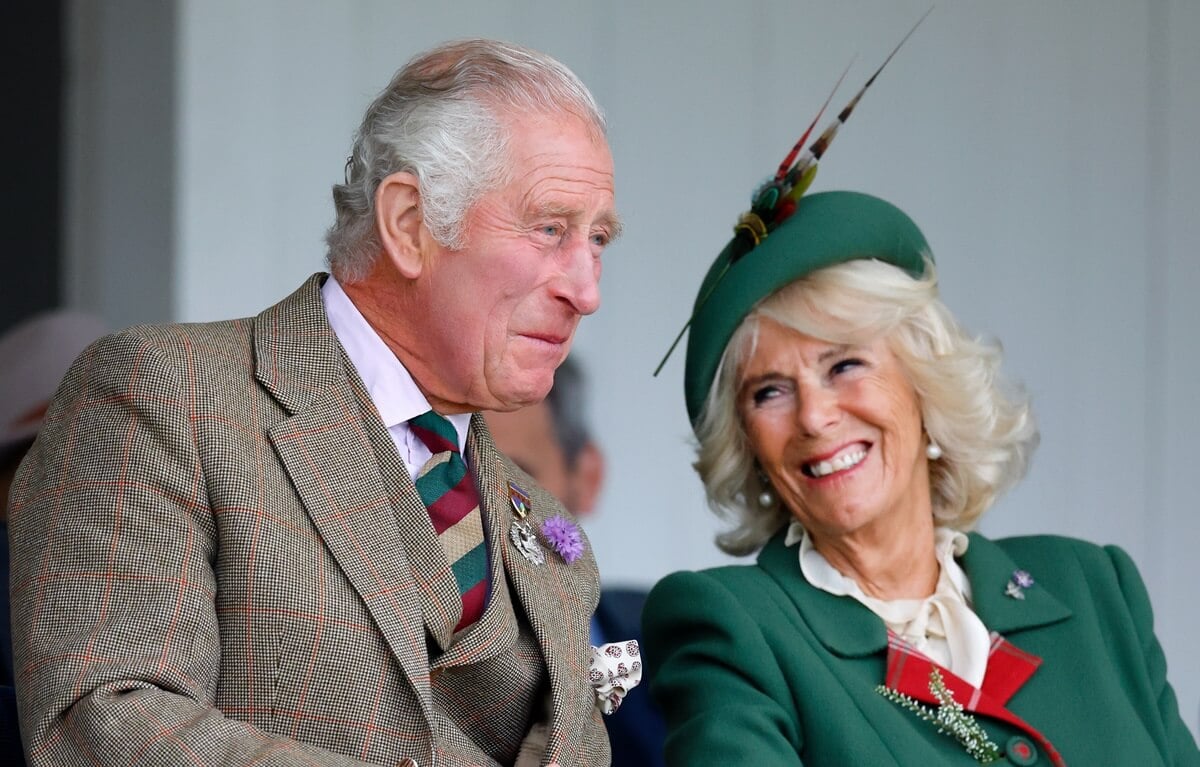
{"x": 552, "y": 339}
{"x": 845, "y": 460}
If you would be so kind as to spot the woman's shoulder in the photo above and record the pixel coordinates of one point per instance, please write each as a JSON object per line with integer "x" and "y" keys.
{"x": 730, "y": 589}
{"x": 1072, "y": 563}
{"x": 1062, "y": 549}
{"x": 764, "y": 582}
{"x": 729, "y": 578}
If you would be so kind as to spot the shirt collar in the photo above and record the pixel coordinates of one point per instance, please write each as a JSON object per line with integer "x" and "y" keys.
{"x": 391, "y": 387}
{"x": 949, "y": 544}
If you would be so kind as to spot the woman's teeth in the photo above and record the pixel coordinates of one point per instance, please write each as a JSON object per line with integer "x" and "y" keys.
{"x": 840, "y": 463}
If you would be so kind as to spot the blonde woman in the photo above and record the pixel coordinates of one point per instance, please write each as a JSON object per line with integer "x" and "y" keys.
{"x": 854, "y": 434}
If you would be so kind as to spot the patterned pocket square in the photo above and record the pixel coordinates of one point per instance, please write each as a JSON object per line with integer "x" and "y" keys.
{"x": 615, "y": 670}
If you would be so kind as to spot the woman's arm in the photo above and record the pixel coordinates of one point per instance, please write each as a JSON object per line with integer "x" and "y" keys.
{"x": 1182, "y": 750}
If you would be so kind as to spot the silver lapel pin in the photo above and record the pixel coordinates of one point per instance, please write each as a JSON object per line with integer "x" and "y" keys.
{"x": 520, "y": 533}
{"x": 1017, "y": 584}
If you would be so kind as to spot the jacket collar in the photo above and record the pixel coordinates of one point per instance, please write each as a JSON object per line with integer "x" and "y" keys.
{"x": 989, "y": 568}
{"x": 297, "y": 357}
{"x": 844, "y": 626}
{"x": 850, "y": 630}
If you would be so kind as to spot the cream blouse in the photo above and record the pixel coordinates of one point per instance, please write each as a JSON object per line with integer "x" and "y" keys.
{"x": 942, "y": 626}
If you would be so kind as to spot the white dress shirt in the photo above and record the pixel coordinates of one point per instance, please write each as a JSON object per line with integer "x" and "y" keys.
{"x": 941, "y": 626}
{"x": 392, "y": 389}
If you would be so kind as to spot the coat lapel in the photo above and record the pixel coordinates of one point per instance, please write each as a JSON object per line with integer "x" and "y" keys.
{"x": 849, "y": 630}
{"x": 909, "y": 672}
{"x": 546, "y": 593}
{"x": 845, "y": 627}
{"x": 989, "y": 569}
{"x": 324, "y": 448}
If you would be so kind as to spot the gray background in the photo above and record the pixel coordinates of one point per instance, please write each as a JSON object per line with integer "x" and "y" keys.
{"x": 1047, "y": 149}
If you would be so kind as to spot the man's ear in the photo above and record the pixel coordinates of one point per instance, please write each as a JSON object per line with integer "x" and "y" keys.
{"x": 587, "y": 478}
{"x": 399, "y": 222}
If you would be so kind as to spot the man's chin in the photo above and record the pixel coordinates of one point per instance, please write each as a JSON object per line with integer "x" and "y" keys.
{"x": 531, "y": 390}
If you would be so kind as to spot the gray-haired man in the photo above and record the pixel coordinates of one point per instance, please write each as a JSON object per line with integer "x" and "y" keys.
{"x": 226, "y": 549}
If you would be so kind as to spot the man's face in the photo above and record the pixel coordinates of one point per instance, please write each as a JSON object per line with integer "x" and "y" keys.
{"x": 508, "y": 303}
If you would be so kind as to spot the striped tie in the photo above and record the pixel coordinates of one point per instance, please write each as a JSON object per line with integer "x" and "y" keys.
{"x": 446, "y": 488}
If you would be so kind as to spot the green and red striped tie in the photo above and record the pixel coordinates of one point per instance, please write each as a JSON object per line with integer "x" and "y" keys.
{"x": 448, "y": 491}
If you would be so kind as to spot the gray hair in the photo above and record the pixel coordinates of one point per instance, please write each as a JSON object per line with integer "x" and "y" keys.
{"x": 566, "y": 403}
{"x": 984, "y": 425}
{"x": 442, "y": 118}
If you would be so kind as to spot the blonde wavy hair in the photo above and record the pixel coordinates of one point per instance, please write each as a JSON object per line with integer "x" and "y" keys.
{"x": 983, "y": 424}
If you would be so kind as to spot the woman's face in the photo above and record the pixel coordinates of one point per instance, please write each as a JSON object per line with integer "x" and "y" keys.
{"x": 837, "y": 430}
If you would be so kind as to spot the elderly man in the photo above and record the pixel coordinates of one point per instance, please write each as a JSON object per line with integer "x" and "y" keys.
{"x": 257, "y": 542}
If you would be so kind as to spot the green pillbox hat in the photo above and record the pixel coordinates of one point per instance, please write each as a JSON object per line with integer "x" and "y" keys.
{"x": 827, "y": 228}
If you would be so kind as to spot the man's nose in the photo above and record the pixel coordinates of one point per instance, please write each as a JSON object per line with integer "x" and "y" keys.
{"x": 580, "y": 286}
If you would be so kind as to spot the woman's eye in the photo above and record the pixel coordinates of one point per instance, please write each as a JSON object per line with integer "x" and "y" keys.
{"x": 765, "y": 394}
{"x": 844, "y": 365}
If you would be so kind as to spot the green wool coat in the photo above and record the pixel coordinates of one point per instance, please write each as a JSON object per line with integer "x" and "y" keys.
{"x": 755, "y": 666}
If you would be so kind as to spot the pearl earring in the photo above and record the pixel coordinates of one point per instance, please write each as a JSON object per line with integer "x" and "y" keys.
{"x": 766, "y": 499}
{"x": 933, "y": 451}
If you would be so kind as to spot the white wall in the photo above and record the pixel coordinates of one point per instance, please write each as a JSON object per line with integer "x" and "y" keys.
{"x": 1046, "y": 149}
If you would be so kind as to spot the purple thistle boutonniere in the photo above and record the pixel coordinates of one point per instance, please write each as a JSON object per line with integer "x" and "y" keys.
{"x": 564, "y": 537}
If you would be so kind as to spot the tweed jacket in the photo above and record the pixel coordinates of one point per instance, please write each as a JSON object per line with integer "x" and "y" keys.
{"x": 758, "y": 667}
{"x": 210, "y": 564}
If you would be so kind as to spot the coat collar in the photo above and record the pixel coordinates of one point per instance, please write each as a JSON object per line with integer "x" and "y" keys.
{"x": 850, "y": 630}
{"x": 297, "y": 357}
{"x": 844, "y": 626}
{"x": 989, "y": 568}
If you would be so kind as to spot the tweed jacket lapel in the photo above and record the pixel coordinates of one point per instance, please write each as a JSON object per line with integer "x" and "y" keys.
{"x": 545, "y": 592}
{"x": 324, "y": 447}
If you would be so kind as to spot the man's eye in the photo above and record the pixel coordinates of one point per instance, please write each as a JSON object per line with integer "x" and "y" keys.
{"x": 552, "y": 230}
{"x": 600, "y": 239}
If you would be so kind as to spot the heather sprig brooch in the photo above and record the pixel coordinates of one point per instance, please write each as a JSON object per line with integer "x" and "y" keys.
{"x": 949, "y": 718}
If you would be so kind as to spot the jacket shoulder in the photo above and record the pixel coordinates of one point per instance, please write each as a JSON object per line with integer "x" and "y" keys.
{"x": 1047, "y": 549}
{"x": 749, "y": 584}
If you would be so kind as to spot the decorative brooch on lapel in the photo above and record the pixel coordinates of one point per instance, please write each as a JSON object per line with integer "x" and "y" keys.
{"x": 564, "y": 537}
{"x": 949, "y": 718}
{"x": 523, "y": 538}
{"x": 1017, "y": 584}
{"x": 615, "y": 669}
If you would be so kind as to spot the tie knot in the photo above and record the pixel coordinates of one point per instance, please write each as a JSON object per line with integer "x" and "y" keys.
{"x": 438, "y": 434}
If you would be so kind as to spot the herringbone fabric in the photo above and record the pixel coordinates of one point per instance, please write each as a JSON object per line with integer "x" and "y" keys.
{"x": 209, "y": 567}
{"x": 448, "y": 492}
